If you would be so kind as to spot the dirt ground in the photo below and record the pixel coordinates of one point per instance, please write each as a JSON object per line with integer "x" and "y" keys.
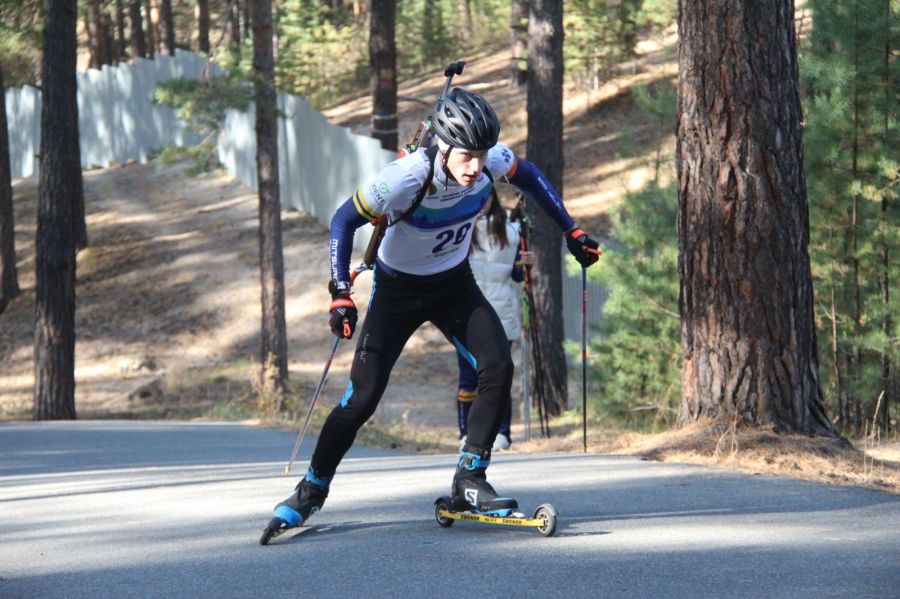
{"x": 168, "y": 299}
{"x": 169, "y": 310}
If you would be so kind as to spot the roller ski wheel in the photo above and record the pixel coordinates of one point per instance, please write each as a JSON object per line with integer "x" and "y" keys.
{"x": 547, "y": 514}
{"x": 275, "y": 527}
{"x": 544, "y": 519}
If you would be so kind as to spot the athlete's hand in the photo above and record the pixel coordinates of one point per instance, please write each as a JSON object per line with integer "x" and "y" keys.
{"x": 342, "y": 313}
{"x": 582, "y": 247}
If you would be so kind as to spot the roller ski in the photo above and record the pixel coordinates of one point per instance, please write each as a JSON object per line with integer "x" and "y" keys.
{"x": 306, "y": 500}
{"x": 475, "y": 500}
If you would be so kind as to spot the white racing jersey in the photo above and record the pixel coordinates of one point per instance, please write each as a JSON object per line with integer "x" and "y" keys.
{"x": 436, "y": 236}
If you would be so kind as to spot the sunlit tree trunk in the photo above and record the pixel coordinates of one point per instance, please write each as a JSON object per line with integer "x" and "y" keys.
{"x": 545, "y": 130}
{"x": 518, "y": 23}
{"x": 746, "y": 296}
{"x": 383, "y": 58}
{"x": 274, "y": 336}
{"x": 201, "y": 16}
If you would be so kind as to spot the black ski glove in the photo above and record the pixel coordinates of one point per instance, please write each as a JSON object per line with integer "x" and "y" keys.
{"x": 342, "y": 313}
{"x": 582, "y": 247}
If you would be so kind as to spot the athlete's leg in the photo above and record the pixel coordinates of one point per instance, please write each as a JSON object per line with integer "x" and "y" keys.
{"x": 394, "y": 314}
{"x": 471, "y": 323}
{"x": 466, "y": 392}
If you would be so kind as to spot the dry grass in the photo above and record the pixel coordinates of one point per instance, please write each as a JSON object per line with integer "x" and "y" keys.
{"x": 762, "y": 451}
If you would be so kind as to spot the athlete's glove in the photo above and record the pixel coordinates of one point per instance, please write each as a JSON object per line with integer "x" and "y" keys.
{"x": 342, "y": 313}
{"x": 582, "y": 247}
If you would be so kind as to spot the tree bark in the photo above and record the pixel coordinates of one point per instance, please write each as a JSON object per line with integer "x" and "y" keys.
{"x": 465, "y": 18}
{"x": 746, "y": 295}
{"x": 544, "y": 148}
{"x": 121, "y": 42}
{"x": 518, "y": 24}
{"x": 201, "y": 15}
{"x": 151, "y": 20}
{"x": 137, "y": 29}
{"x": 886, "y": 321}
{"x": 60, "y": 183}
{"x": 383, "y": 58}
{"x": 234, "y": 23}
{"x": 94, "y": 35}
{"x": 167, "y": 25}
{"x": 9, "y": 280}
{"x": 274, "y": 337}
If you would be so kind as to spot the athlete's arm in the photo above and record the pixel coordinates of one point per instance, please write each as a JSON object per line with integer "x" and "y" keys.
{"x": 344, "y": 224}
{"x": 529, "y": 178}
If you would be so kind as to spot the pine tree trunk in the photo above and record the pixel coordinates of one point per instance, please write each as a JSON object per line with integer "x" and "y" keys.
{"x": 201, "y": 15}
{"x": 151, "y": 20}
{"x": 886, "y": 321}
{"x": 9, "y": 281}
{"x": 465, "y": 18}
{"x": 167, "y": 21}
{"x": 121, "y": 42}
{"x": 746, "y": 296}
{"x": 274, "y": 336}
{"x": 245, "y": 22}
{"x": 544, "y": 148}
{"x": 92, "y": 26}
{"x": 60, "y": 176}
{"x": 234, "y": 23}
{"x": 518, "y": 24}
{"x": 383, "y": 58}
{"x": 137, "y": 29}
{"x": 856, "y": 371}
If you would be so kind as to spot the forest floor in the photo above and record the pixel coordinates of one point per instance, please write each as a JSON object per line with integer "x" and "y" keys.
{"x": 168, "y": 297}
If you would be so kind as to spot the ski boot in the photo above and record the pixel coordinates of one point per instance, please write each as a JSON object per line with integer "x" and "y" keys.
{"x": 307, "y": 499}
{"x": 472, "y": 492}
{"x": 473, "y": 499}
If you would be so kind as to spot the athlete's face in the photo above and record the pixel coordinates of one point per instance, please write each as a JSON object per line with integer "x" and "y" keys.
{"x": 465, "y": 165}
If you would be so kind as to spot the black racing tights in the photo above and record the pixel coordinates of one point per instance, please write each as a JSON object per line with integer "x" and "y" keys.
{"x": 456, "y": 306}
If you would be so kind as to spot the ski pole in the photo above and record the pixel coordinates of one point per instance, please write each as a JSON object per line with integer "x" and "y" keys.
{"x": 315, "y": 398}
{"x": 584, "y": 356}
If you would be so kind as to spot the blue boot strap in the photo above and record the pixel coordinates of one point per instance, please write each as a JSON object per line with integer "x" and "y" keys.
{"x": 289, "y": 515}
{"x": 476, "y": 461}
{"x": 320, "y": 481}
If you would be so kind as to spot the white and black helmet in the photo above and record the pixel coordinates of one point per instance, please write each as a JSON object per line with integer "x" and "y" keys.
{"x": 465, "y": 120}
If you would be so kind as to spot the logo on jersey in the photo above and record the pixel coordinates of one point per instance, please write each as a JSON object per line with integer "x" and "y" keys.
{"x": 432, "y": 189}
{"x": 383, "y": 188}
{"x": 377, "y": 194}
{"x": 507, "y": 156}
{"x": 472, "y": 497}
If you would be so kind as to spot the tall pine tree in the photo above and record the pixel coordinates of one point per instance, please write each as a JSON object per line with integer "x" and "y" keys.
{"x": 851, "y": 73}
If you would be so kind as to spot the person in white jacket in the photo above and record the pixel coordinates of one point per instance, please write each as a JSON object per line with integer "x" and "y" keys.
{"x": 496, "y": 262}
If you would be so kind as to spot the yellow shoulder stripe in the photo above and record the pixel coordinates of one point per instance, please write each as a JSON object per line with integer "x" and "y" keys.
{"x": 359, "y": 201}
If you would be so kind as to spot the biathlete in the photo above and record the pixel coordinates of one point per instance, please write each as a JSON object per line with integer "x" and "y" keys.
{"x": 422, "y": 274}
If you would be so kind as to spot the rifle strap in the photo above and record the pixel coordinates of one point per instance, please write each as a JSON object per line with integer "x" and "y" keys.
{"x": 382, "y": 224}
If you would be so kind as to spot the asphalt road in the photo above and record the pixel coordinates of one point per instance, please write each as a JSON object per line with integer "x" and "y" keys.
{"x": 163, "y": 509}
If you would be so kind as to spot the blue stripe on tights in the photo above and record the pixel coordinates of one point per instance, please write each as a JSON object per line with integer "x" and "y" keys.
{"x": 465, "y": 353}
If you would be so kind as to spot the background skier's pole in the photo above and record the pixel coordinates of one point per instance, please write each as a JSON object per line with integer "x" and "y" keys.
{"x": 584, "y": 356}
{"x": 525, "y": 359}
{"x": 315, "y": 398}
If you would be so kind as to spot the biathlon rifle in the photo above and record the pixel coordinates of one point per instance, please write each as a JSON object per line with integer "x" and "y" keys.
{"x": 421, "y": 139}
